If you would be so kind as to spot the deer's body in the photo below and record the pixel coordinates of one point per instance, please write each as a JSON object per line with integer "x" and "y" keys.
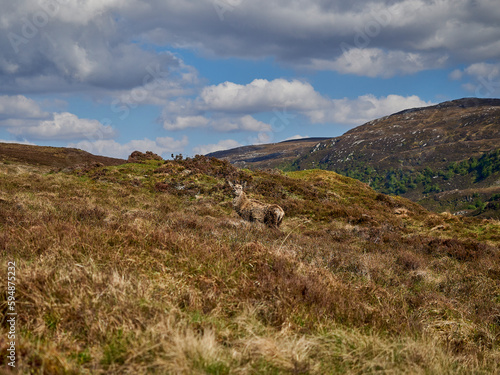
{"x": 253, "y": 210}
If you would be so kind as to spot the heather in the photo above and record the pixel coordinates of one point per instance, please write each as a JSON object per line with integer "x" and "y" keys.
{"x": 145, "y": 268}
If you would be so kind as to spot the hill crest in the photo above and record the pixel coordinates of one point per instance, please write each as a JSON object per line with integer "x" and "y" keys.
{"x": 58, "y": 157}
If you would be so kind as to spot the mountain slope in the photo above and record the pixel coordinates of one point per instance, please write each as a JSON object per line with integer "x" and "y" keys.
{"x": 269, "y": 155}
{"x": 146, "y": 268}
{"x": 416, "y": 138}
{"x": 420, "y": 153}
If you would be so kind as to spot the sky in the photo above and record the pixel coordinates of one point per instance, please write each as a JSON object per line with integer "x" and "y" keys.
{"x": 196, "y": 76}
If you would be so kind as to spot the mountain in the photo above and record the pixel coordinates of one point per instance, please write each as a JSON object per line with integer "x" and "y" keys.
{"x": 416, "y": 138}
{"x": 444, "y": 156}
{"x": 269, "y": 155}
{"x": 145, "y": 268}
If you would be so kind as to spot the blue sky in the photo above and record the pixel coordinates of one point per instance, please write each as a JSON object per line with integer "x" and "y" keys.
{"x": 191, "y": 77}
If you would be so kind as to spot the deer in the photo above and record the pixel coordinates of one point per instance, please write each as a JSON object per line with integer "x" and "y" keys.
{"x": 255, "y": 211}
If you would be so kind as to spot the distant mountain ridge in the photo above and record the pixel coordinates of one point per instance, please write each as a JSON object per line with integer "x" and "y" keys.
{"x": 267, "y": 155}
{"x": 419, "y": 153}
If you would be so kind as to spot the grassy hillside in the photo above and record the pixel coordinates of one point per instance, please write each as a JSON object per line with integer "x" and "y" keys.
{"x": 421, "y": 152}
{"x": 445, "y": 157}
{"x": 470, "y": 187}
{"x": 58, "y": 157}
{"x": 145, "y": 268}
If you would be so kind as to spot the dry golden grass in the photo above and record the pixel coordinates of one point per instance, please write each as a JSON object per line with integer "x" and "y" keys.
{"x": 117, "y": 276}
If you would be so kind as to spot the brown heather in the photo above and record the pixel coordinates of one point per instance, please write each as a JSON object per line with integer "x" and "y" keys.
{"x": 146, "y": 269}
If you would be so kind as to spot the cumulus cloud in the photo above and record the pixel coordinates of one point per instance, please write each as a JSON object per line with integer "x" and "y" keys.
{"x": 77, "y": 45}
{"x": 107, "y": 44}
{"x": 224, "y": 144}
{"x": 261, "y": 138}
{"x": 65, "y": 126}
{"x": 227, "y": 100}
{"x": 163, "y": 146}
{"x": 19, "y": 107}
{"x": 316, "y": 30}
{"x": 483, "y": 70}
{"x": 158, "y": 87}
{"x": 110, "y": 50}
{"x": 229, "y": 106}
{"x": 244, "y": 123}
{"x": 219, "y": 122}
{"x": 365, "y": 108}
{"x": 259, "y": 95}
{"x": 26, "y": 118}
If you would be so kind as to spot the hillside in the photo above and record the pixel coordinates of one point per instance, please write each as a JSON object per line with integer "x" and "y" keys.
{"x": 59, "y": 157}
{"x": 145, "y": 268}
{"x": 444, "y": 156}
{"x": 430, "y": 137}
{"x": 268, "y": 155}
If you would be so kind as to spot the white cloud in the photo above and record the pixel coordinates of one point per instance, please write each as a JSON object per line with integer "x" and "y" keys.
{"x": 224, "y": 144}
{"x": 483, "y": 70}
{"x": 226, "y": 123}
{"x": 163, "y": 146}
{"x": 229, "y": 106}
{"x": 107, "y": 45}
{"x": 259, "y": 95}
{"x": 364, "y": 108}
{"x": 77, "y": 46}
{"x": 159, "y": 86}
{"x": 227, "y": 100}
{"x": 261, "y": 138}
{"x": 369, "y": 107}
{"x": 25, "y": 118}
{"x": 184, "y": 122}
{"x": 243, "y": 123}
{"x": 65, "y": 126}
{"x": 20, "y": 107}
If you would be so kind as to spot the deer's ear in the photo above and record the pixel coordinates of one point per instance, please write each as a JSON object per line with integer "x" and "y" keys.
{"x": 230, "y": 183}
{"x": 244, "y": 184}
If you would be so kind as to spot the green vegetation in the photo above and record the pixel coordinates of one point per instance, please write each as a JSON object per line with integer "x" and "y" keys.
{"x": 145, "y": 268}
{"x": 402, "y": 181}
{"x": 481, "y": 168}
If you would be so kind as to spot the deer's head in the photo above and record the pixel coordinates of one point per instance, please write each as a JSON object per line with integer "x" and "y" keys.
{"x": 237, "y": 188}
